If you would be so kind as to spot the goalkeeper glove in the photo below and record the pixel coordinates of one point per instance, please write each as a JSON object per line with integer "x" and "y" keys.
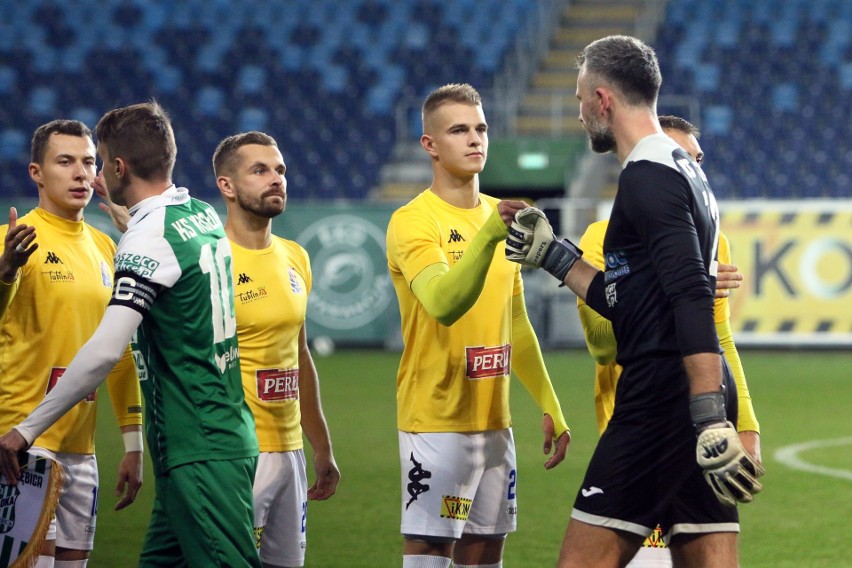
{"x": 531, "y": 242}
{"x": 731, "y": 473}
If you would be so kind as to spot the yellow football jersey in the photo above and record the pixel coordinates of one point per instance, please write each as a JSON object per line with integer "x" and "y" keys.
{"x": 53, "y": 308}
{"x": 271, "y": 299}
{"x": 451, "y": 378}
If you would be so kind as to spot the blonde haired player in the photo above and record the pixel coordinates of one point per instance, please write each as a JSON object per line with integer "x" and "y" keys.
{"x": 273, "y": 280}
{"x": 464, "y": 326}
{"x": 56, "y": 277}
{"x": 602, "y": 346}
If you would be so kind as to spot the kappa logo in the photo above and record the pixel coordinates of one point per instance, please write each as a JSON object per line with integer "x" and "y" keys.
{"x": 591, "y": 491}
{"x": 416, "y": 474}
{"x": 244, "y": 279}
{"x": 455, "y": 237}
{"x": 52, "y": 258}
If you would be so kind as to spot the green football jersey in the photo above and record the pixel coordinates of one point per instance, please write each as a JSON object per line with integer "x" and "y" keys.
{"x": 173, "y": 265}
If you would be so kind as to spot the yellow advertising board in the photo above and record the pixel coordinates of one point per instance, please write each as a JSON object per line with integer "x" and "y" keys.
{"x": 797, "y": 260}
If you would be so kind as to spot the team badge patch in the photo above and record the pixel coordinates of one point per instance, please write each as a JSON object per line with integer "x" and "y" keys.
{"x": 295, "y": 285}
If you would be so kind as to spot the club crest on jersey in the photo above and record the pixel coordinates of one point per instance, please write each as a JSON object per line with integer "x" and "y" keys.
{"x": 295, "y": 285}
{"x": 277, "y": 384}
{"x": 106, "y": 278}
{"x": 488, "y": 362}
{"x": 611, "y": 296}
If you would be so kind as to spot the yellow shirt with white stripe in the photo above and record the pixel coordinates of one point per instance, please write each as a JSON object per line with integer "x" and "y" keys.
{"x": 271, "y": 299}
{"x": 48, "y": 313}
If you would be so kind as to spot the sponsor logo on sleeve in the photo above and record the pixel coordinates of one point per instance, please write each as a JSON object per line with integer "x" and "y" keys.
{"x": 488, "y": 362}
{"x": 136, "y": 263}
{"x": 277, "y": 384}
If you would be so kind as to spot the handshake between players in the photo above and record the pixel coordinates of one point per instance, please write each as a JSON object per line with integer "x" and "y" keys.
{"x": 729, "y": 470}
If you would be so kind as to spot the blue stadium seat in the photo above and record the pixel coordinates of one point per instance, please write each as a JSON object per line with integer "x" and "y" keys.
{"x": 783, "y": 83}
{"x": 324, "y": 72}
{"x": 13, "y": 147}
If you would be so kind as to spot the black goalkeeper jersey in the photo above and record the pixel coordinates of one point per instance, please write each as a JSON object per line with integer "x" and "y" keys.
{"x": 661, "y": 260}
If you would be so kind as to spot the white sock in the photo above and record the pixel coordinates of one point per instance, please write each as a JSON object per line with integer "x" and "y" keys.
{"x": 44, "y": 561}
{"x": 425, "y": 561}
{"x": 71, "y": 563}
{"x": 498, "y": 565}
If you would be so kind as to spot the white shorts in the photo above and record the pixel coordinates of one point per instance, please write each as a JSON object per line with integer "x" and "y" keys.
{"x": 281, "y": 507}
{"x": 456, "y": 483}
{"x": 77, "y": 512}
{"x": 649, "y": 557}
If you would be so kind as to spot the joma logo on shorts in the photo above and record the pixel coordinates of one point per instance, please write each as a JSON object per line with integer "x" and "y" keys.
{"x": 488, "y": 362}
{"x": 455, "y": 507}
{"x": 277, "y": 384}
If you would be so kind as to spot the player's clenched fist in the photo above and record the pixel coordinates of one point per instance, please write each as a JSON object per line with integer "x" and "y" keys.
{"x": 531, "y": 242}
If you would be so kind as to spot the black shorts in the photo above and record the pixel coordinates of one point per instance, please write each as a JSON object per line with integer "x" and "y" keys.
{"x": 644, "y": 471}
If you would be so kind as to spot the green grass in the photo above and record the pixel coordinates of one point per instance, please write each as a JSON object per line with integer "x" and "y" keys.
{"x": 801, "y": 519}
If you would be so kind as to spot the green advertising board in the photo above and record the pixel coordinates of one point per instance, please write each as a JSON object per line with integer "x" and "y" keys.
{"x": 352, "y": 300}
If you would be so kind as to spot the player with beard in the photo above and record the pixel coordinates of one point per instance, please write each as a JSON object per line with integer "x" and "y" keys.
{"x": 273, "y": 280}
{"x": 661, "y": 260}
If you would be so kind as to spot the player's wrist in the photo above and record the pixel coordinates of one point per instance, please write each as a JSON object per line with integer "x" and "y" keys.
{"x": 708, "y": 410}
{"x": 132, "y": 441}
{"x": 495, "y": 227}
{"x": 560, "y": 257}
{"x": 9, "y": 277}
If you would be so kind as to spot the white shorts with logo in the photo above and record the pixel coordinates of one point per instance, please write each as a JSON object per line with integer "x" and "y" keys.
{"x": 455, "y": 483}
{"x": 77, "y": 513}
{"x": 281, "y": 507}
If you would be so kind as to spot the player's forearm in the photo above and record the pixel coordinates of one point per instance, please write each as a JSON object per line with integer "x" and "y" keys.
{"x": 313, "y": 420}
{"x": 123, "y": 386}
{"x": 447, "y": 294}
{"x": 86, "y": 371}
{"x": 528, "y": 365}
{"x": 704, "y": 371}
{"x": 600, "y": 339}
{"x": 746, "y": 420}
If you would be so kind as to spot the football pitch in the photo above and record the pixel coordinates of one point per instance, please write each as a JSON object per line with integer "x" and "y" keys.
{"x": 802, "y": 519}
